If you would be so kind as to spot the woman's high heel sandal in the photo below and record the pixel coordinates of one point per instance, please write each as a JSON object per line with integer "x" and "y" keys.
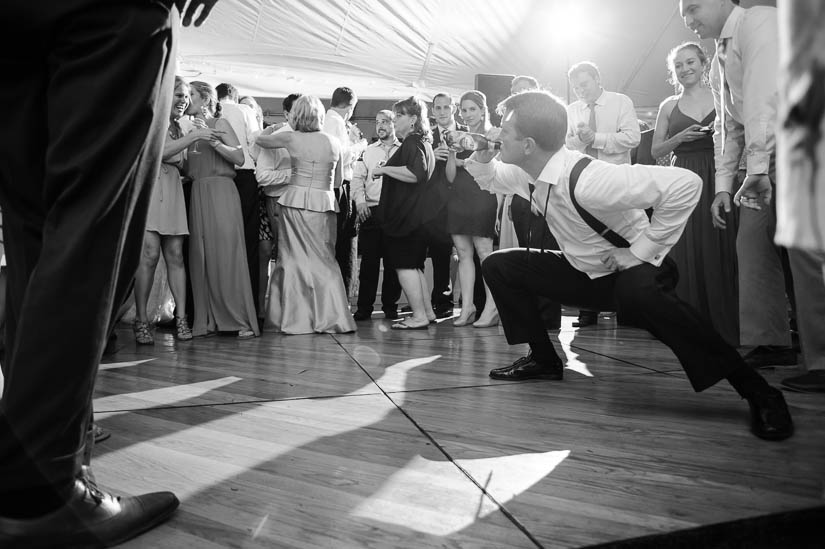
{"x": 463, "y": 320}
{"x": 142, "y": 334}
{"x": 184, "y": 333}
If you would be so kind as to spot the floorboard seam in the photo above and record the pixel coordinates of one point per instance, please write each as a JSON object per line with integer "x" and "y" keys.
{"x": 516, "y": 522}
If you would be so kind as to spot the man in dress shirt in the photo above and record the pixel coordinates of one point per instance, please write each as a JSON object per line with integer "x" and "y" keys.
{"x": 273, "y": 170}
{"x": 336, "y": 121}
{"x": 245, "y": 124}
{"x": 589, "y": 271}
{"x": 601, "y": 124}
{"x": 366, "y": 193}
{"x": 744, "y": 75}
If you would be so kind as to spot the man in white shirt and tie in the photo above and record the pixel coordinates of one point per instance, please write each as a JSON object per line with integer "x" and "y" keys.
{"x": 629, "y": 273}
{"x": 336, "y": 124}
{"x": 601, "y": 124}
{"x": 744, "y": 76}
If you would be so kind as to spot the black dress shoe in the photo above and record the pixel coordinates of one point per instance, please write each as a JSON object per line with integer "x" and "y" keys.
{"x": 527, "y": 368}
{"x": 766, "y": 356}
{"x": 587, "y": 318}
{"x": 443, "y": 311}
{"x": 770, "y": 417}
{"x": 391, "y": 314}
{"x": 100, "y": 433}
{"x": 361, "y": 315}
{"x": 810, "y": 382}
{"x": 90, "y": 518}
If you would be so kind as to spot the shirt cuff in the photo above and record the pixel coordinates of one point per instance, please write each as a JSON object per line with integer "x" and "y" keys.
{"x": 724, "y": 183}
{"x": 758, "y": 163}
{"x": 649, "y": 251}
{"x": 600, "y": 141}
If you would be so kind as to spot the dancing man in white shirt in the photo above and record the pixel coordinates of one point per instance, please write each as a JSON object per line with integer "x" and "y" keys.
{"x": 625, "y": 270}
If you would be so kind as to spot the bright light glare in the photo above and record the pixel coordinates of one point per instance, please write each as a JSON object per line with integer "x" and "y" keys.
{"x": 570, "y": 22}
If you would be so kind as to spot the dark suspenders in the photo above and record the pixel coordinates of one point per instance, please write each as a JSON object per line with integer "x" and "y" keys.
{"x": 600, "y": 228}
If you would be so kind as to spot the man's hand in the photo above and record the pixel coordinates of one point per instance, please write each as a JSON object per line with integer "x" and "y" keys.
{"x": 188, "y": 12}
{"x": 620, "y": 259}
{"x": 441, "y": 152}
{"x": 720, "y": 206}
{"x": 756, "y": 188}
{"x": 362, "y": 211}
{"x": 585, "y": 133}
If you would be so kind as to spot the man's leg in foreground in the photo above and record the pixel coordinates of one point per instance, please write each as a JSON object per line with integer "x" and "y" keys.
{"x": 75, "y": 197}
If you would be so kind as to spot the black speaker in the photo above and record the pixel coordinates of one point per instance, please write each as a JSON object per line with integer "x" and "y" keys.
{"x": 497, "y": 88}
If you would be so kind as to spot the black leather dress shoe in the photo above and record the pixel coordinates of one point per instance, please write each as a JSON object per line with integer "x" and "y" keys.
{"x": 527, "y": 368}
{"x": 587, "y": 318}
{"x": 391, "y": 314}
{"x": 770, "y": 417}
{"x": 360, "y": 315}
{"x": 90, "y": 518}
{"x": 766, "y": 356}
{"x": 443, "y": 311}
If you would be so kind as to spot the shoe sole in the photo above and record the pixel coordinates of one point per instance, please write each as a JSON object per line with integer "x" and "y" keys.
{"x": 547, "y": 377}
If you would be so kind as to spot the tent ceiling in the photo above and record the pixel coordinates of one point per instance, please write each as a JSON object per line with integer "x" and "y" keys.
{"x": 390, "y": 49}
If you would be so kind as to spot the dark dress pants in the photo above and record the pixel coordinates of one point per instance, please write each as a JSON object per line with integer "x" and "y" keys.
{"x": 346, "y": 232}
{"x": 74, "y": 195}
{"x": 532, "y": 230}
{"x": 440, "y": 250}
{"x": 247, "y": 187}
{"x": 372, "y": 243}
{"x": 644, "y": 294}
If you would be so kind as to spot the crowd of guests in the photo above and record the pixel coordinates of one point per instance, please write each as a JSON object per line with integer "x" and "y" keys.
{"x": 300, "y": 192}
{"x": 663, "y": 246}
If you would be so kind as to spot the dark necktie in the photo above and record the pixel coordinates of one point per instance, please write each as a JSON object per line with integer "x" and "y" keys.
{"x": 721, "y": 57}
{"x": 590, "y": 151}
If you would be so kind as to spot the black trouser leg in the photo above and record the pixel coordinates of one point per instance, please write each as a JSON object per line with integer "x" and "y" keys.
{"x": 644, "y": 293}
{"x": 369, "y": 244}
{"x": 346, "y": 232}
{"x": 531, "y": 230}
{"x": 247, "y": 187}
{"x": 440, "y": 249}
{"x": 74, "y": 218}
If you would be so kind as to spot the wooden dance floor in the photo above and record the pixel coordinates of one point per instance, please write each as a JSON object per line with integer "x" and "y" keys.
{"x": 400, "y": 439}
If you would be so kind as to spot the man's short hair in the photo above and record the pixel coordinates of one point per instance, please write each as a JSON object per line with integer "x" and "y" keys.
{"x": 226, "y": 90}
{"x": 534, "y": 84}
{"x": 289, "y": 100}
{"x": 540, "y": 115}
{"x": 587, "y": 67}
{"x": 444, "y": 94}
{"x": 387, "y": 113}
{"x": 342, "y": 97}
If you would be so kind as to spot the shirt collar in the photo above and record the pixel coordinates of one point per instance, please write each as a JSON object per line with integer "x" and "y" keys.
{"x": 453, "y": 127}
{"x": 552, "y": 171}
{"x": 732, "y": 22}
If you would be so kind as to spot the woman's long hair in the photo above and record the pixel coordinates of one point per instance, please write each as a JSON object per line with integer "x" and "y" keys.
{"x": 671, "y": 59}
{"x": 209, "y": 96}
{"x": 480, "y": 100}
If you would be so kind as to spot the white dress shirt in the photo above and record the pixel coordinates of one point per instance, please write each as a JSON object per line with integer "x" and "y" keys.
{"x": 617, "y": 195}
{"x": 750, "y": 97}
{"x": 617, "y": 127}
{"x": 273, "y": 167}
{"x": 366, "y": 189}
{"x": 335, "y": 125}
{"x": 245, "y": 125}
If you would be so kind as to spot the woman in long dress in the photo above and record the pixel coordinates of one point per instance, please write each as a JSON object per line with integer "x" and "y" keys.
{"x": 705, "y": 256}
{"x": 221, "y": 289}
{"x": 306, "y": 289}
{"x": 471, "y": 216}
{"x": 166, "y": 224}
{"x": 402, "y": 210}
